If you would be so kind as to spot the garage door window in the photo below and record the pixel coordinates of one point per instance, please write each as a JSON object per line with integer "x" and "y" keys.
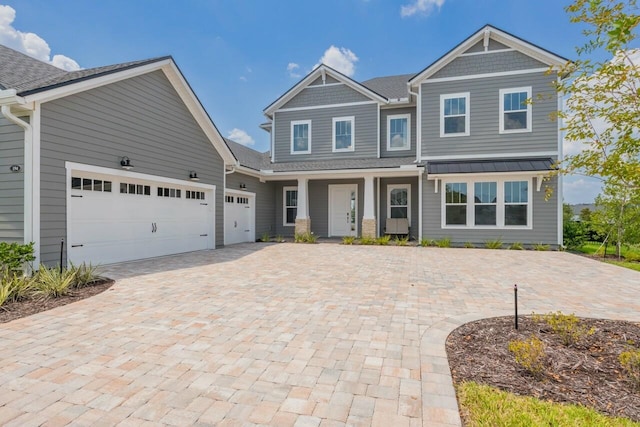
{"x": 242, "y": 200}
{"x": 143, "y": 190}
{"x": 199, "y": 195}
{"x": 88, "y": 184}
{"x": 169, "y": 192}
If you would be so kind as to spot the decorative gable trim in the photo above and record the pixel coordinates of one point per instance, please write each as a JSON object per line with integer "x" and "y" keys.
{"x": 322, "y": 71}
{"x": 483, "y": 35}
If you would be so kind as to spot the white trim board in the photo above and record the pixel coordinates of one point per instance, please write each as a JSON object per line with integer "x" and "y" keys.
{"x": 320, "y": 107}
{"x": 486, "y": 75}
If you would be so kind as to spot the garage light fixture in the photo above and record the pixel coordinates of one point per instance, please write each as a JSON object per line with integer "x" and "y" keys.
{"x": 193, "y": 176}
{"x": 126, "y": 163}
{"x": 243, "y": 185}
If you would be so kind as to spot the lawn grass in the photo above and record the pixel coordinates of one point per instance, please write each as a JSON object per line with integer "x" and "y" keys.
{"x": 626, "y": 264}
{"x": 487, "y": 406}
{"x": 595, "y": 247}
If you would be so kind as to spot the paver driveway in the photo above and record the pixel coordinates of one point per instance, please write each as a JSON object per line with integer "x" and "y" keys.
{"x": 282, "y": 335}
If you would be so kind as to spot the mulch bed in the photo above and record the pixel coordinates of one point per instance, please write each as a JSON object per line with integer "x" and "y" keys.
{"x": 587, "y": 373}
{"x": 16, "y": 310}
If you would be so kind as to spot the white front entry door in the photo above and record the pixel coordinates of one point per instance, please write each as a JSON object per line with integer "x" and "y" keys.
{"x": 239, "y": 218}
{"x": 343, "y": 207}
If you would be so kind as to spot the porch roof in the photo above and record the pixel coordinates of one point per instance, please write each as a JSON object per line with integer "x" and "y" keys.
{"x": 490, "y": 166}
{"x": 344, "y": 164}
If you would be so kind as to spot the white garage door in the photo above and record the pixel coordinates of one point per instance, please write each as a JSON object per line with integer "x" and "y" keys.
{"x": 115, "y": 218}
{"x": 239, "y": 217}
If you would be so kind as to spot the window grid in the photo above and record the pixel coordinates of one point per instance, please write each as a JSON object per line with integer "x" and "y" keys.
{"x": 398, "y": 132}
{"x": 88, "y": 184}
{"x": 301, "y": 137}
{"x": 290, "y": 205}
{"x": 399, "y": 201}
{"x": 454, "y": 114}
{"x": 343, "y": 134}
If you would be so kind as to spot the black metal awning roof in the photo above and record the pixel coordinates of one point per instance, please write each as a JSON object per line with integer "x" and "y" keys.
{"x": 490, "y": 166}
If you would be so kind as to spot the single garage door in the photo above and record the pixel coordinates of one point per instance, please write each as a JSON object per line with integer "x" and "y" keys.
{"x": 239, "y": 217}
{"x": 115, "y": 218}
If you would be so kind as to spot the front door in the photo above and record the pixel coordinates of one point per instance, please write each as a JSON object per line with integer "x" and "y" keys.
{"x": 343, "y": 213}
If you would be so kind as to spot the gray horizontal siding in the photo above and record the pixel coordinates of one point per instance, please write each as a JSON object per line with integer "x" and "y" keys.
{"x": 484, "y": 135}
{"x": 11, "y": 183}
{"x": 319, "y": 95}
{"x": 479, "y": 47}
{"x": 544, "y": 230}
{"x": 497, "y": 62}
{"x": 366, "y": 133}
{"x": 383, "y": 132}
{"x": 265, "y": 200}
{"x": 142, "y": 118}
{"x": 414, "y": 199}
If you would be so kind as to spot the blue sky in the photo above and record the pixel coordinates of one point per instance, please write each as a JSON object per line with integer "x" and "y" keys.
{"x": 240, "y": 55}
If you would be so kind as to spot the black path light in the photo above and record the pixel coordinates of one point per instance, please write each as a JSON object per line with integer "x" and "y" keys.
{"x": 515, "y": 299}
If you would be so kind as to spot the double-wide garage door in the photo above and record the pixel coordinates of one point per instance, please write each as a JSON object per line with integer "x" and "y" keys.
{"x": 116, "y": 218}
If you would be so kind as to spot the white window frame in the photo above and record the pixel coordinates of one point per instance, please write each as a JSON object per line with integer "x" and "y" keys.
{"x": 504, "y": 92}
{"x": 467, "y": 119}
{"x": 351, "y": 119}
{"x": 500, "y": 205}
{"x": 396, "y": 117}
{"x": 391, "y": 187}
{"x": 293, "y": 124}
{"x": 284, "y": 205}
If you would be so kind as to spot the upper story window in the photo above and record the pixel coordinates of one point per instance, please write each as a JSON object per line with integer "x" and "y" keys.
{"x": 454, "y": 114}
{"x": 399, "y": 132}
{"x": 290, "y": 205}
{"x": 515, "y": 111}
{"x": 343, "y": 133}
{"x": 301, "y": 137}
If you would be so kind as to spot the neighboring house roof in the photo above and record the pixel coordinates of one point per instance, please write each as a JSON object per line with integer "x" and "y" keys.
{"x": 248, "y": 157}
{"x": 490, "y": 166}
{"x": 498, "y": 35}
{"x": 342, "y": 164}
{"x": 393, "y": 87}
{"x": 322, "y": 70}
{"x": 18, "y": 69}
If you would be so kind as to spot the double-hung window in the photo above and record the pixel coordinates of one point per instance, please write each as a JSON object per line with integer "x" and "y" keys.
{"x": 290, "y": 208}
{"x": 301, "y": 137}
{"x": 515, "y": 111}
{"x": 343, "y": 133}
{"x": 398, "y": 132}
{"x": 399, "y": 197}
{"x": 497, "y": 203}
{"x": 454, "y": 114}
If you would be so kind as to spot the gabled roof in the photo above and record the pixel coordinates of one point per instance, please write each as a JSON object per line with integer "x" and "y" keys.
{"x": 248, "y": 157}
{"x": 392, "y": 87}
{"x": 498, "y": 35}
{"x": 27, "y": 79}
{"x": 319, "y": 71}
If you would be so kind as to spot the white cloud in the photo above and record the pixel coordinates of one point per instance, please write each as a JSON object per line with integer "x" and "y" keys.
{"x": 29, "y": 43}
{"x": 340, "y": 59}
{"x": 421, "y": 7}
{"x": 291, "y": 69}
{"x": 240, "y": 136}
{"x": 580, "y": 189}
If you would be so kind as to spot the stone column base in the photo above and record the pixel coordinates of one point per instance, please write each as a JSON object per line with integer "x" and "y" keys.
{"x": 369, "y": 226}
{"x": 303, "y": 226}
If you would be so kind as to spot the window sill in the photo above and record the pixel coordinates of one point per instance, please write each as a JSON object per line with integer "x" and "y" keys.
{"x": 452, "y": 135}
{"x": 502, "y": 131}
{"x": 343, "y": 150}
{"x": 398, "y": 148}
{"x": 486, "y": 227}
{"x": 300, "y": 152}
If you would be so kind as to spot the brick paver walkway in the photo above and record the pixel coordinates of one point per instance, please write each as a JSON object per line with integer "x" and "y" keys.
{"x": 283, "y": 334}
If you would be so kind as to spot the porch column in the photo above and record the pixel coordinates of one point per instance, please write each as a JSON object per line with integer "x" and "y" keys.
{"x": 369, "y": 224}
{"x": 303, "y": 222}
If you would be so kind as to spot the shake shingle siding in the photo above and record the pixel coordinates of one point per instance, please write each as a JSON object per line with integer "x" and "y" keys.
{"x": 325, "y": 95}
{"x": 142, "y": 118}
{"x": 11, "y": 183}
{"x": 495, "y": 62}
{"x": 484, "y": 138}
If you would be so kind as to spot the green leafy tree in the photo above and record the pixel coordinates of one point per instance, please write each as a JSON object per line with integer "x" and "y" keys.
{"x": 618, "y": 215}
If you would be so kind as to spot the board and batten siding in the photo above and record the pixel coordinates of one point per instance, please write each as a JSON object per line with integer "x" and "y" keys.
{"x": 366, "y": 133}
{"x": 384, "y": 114}
{"x": 11, "y": 183}
{"x": 413, "y": 202}
{"x": 544, "y": 230}
{"x": 318, "y": 94}
{"x": 484, "y": 100}
{"x": 264, "y": 202}
{"x": 493, "y": 62}
{"x": 142, "y": 118}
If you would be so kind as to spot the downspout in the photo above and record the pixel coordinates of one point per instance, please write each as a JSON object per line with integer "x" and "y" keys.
{"x": 418, "y": 122}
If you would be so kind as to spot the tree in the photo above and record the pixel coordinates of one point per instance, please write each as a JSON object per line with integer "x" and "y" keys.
{"x": 603, "y": 105}
{"x": 618, "y": 215}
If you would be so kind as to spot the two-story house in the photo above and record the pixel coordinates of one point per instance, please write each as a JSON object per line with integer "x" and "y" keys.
{"x": 460, "y": 149}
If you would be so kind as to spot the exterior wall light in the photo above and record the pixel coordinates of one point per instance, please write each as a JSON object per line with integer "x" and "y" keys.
{"x": 126, "y": 163}
{"x": 193, "y": 176}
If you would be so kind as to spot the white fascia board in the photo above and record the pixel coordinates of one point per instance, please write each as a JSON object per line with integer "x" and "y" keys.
{"x": 247, "y": 171}
{"x": 497, "y": 35}
{"x": 343, "y": 173}
{"x": 302, "y": 84}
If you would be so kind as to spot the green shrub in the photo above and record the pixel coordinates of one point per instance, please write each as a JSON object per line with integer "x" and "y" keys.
{"x": 493, "y": 244}
{"x": 630, "y": 361}
{"x": 529, "y": 354}
{"x": 348, "y": 240}
{"x": 13, "y": 256}
{"x": 445, "y": 242}
{"x": 279, "y": 238}
{"x": 516, "y": 246}
{"x": 14, "y": 286}
{"x": 401, "y": 241}
{"x": 424, "y": 242}
{"x": 540, "y": 247}
{"x": 469, "y": 245}
{"x": 265, "y": 237}
{"x": 632, "y": 256}
{"x": 84, "y": 275}
{"x": 305, "y": 238}
{"x": 51, "y": 282}
{"x": 383, "y": 240}
{"x": 365, "y": 240}
{"x": 567, "y": 326}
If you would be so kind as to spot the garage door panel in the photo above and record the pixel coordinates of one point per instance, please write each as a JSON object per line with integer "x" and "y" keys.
{"x": 239, "y": 214}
